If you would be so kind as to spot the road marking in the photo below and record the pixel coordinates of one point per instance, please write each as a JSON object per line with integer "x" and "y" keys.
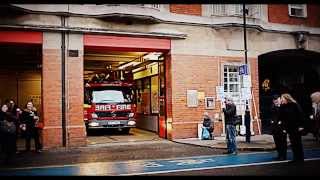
{"x": 141, "y": 167}
{"x": 216, "y": 167}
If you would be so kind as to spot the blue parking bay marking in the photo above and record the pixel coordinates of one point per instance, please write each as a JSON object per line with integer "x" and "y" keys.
{"x": 155, "y": 166}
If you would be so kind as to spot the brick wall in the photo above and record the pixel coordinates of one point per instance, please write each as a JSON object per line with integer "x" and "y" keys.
{"x": 255, "y": 89}
{"x": 168, "y": 79}
{"x": 201, "y": 73}
{"x": 189, "y": 9}
{"x": 279, "y": 13}
{"x": 75, "y": 125}
{"x": 51, "y": 91}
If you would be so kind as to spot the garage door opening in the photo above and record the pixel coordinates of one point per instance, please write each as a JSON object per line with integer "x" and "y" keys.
{"x": 124, "y": 95}
{"x": 20, "y": 76}
{"x": 287, "y": 71}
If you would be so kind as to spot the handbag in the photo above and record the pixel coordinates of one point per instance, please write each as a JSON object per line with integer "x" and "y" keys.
{"x": 39, "y": 125}
{"x": 205, "y": 134}
{"x": 8, "y": 127}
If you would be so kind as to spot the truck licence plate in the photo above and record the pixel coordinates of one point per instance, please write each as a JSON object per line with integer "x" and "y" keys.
{"x": 114, "y": 122}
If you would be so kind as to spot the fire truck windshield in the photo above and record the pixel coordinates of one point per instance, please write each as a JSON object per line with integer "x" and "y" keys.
{"x": 110, "y": 95}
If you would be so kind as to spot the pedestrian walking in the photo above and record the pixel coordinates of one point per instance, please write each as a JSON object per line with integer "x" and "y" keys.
{"x": 293, "y": 121}
{"x": 8, "y": 133}
{"x": 315, "y": 98}
{"x": 229, "y": 111}
{"x": 30, "y": 119}
{"x": 278, "y": 132}
{"x": 208, "y": 125}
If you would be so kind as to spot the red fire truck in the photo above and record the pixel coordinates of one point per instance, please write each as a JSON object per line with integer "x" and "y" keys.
{"x": 110, "y": 104}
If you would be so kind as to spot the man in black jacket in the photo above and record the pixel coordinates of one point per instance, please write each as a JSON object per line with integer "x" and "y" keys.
{"x": 230, "y": 120}
{"x": 279, "y": 135}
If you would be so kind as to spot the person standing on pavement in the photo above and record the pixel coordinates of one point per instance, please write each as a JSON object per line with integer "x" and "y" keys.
{"x": 14, "y": 110}
{"x": 293, "y": 121}
{"x": 30, "y": 118}
{"x": 208, "y": 124}
{"x": 229, "y": 111}
{"x": 8, "y": 133}
{"x": 315, "y": 97}
{"x": 279, "y": 136}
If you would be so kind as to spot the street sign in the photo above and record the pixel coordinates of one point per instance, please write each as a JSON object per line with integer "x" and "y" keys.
{"x": 243, "y": 70}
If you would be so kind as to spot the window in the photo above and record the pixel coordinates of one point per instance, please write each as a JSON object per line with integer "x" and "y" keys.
{"x": 231, "y": 79}
{"x": 153, "y": 6}
{"x": 254, "y": 10}
{"x": 297, "y": 10}
{"x": 107, "y": 96}
{"x": 232, "y": 84}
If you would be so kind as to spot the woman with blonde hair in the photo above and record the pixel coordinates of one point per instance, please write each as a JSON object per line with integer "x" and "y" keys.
{"x": 293, "y": 121}
{"x": 315, "y": 98}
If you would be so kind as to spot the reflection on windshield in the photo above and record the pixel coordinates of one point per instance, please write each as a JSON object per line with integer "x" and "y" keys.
{"x": 109, "y": 96}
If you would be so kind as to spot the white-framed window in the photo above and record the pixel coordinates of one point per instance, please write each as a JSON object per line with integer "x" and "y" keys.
{"x": 297, "y": 10}
{"x": 232, "y": 84}
{"x": 254, "y": 10}
{"x": 231, "y": 79}
{"x": 153, "y": 6}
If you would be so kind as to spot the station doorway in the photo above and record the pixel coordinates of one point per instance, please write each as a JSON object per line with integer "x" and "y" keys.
{"x": 21, "y": 77}
{"x": 293, "y": 71}
{"x": 131, "y": 80}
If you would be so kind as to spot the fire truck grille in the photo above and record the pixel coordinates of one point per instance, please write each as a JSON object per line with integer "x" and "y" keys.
{"x": 112, "y": 114}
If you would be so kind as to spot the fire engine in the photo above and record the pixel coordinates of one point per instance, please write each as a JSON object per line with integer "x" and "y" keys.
{"x": 110, "y": 104}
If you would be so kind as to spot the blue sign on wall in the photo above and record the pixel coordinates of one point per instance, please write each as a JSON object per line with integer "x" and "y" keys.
{"x": 243, "y": 70}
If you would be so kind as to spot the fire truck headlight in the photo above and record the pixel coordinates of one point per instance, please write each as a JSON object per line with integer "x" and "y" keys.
{"x": 131, "y": 115}
{"x": 94, "y": 115}
{"x": 131, "y": 123}
{"x": 93, "y": 124}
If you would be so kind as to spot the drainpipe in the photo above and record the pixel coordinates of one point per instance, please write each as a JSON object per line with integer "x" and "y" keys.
{"x": 63, "y": 82}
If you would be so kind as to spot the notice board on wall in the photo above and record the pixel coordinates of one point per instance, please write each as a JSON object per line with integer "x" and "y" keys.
{"x": 192, "y": 98}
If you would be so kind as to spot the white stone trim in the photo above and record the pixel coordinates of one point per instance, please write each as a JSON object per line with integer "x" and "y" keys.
{"x": 169, "y": 18}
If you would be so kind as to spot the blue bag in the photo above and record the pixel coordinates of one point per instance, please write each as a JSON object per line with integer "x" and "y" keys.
{"x": 205, "y": 134}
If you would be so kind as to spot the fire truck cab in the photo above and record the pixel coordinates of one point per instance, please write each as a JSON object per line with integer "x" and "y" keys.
{"x": 110, "y": 104}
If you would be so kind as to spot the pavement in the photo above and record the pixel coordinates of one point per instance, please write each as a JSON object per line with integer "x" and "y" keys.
{"x": 258, "y": 142}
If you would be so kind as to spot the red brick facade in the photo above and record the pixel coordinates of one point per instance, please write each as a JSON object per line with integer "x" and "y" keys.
{"x": 189, "y": 9}
{"x": 51, "y": 92}
{"x": 279, "y": 13}
{"x": 51, "y": 89}
{"x": 202, "y": 73}
{"x": 76, "y": 128}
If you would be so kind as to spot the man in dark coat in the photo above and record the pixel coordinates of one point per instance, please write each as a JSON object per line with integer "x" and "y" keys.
{"x": 29, "y": 117}
{"x": 230, "y": 120}
{"x": 279, "y": 136}
{"x": 8, "y": 133}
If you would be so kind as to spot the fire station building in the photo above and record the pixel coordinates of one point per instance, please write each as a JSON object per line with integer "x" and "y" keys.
{"x": 48, "y": 51}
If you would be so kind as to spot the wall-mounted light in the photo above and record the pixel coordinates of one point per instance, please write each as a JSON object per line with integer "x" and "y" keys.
{"x": 152, "y": 56}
